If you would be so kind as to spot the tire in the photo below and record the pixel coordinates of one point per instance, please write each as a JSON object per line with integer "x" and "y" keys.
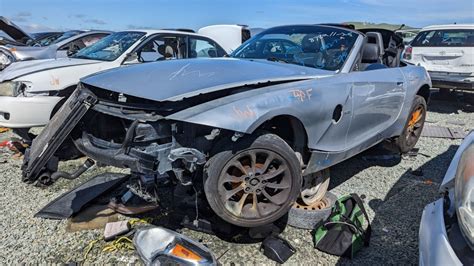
{"x": 250, "y": 194}
{"x": 308, "y": 217}
{"x": 413, "y": 126}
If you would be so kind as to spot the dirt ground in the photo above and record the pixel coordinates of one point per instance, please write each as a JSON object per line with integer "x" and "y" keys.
{"x": 395, "y": 198}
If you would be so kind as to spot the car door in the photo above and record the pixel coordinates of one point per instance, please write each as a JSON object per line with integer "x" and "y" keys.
{"x": 377, "y": 99}
{"x": 201, "y": 47}
{"x": 162, "y": 47}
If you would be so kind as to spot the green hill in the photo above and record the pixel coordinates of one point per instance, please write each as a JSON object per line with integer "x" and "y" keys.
{"x": 364, "y": 25}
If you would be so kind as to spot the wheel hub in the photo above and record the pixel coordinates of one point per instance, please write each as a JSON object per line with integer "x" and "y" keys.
{"x": 255, "y": 184}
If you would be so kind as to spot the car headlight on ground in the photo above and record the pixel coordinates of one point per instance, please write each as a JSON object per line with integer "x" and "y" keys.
{"x": 11, "y": 88}
{"x": 464, "y": 194}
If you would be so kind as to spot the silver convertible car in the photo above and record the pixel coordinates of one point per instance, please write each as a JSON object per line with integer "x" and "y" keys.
{"x": 257, "y": 130}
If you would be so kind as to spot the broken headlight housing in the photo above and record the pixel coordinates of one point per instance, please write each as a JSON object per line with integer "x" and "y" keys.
{"x": 464, "y": 194}
{"x": 6, "y": 58}
{"x": 11, "y": 88}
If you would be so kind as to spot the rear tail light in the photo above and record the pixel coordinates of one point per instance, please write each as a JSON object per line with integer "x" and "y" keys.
{"x": 408, "y": 53}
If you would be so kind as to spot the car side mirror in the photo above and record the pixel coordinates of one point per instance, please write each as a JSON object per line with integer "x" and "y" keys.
{"x": 131, "y": 58}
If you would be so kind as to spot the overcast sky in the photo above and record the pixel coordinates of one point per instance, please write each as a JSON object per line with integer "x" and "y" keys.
{"x": 128, "y": 14}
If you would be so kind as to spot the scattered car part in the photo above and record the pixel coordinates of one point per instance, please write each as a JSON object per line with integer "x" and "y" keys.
{"x": 72, "y": 201}
{"x": 114, "y": 229}
{"x": 308, "y": 216}
{"x": 131, "y": 210}
{"x": 86, "y": 166}
{"x": 432, "y": 131}
{"x": 446, "y": 228}
{"x": 158, "y": 246}
{"x": 277, "y": 249}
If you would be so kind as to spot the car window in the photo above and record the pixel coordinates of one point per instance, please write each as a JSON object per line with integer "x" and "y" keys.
{"x": 110, "y": 47}
{"x": 202, "y": 48}
{"x": 46, "y": 40}
{"x": 161, "y": 47}
{"x": 445, "y": 38}
{"x": 312, "y": 46}
{"x": 66, "y": 35}
{"x": 83, "y": 42}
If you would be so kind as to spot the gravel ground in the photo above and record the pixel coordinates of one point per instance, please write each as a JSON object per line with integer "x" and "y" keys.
{"x": 395, "y": 199}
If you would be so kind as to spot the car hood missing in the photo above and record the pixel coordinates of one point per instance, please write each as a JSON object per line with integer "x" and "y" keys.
{"x": 177, "y": 79}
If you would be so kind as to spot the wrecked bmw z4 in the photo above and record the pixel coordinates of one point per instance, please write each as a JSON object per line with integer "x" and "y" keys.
{"x": 258, "y": 130}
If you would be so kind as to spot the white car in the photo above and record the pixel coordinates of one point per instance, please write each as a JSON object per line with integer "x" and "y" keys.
{"x": 446, "y": 234}
{"x": 447, "y": 53}
{"x": 31, "y": 91}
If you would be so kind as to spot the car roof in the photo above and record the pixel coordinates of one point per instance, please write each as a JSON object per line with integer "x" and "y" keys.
{"x": 152, "y": 31}
{"x": 449, "y": 26}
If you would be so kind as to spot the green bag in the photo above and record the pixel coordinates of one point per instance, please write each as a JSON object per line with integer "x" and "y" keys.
{"x": 342, "y": 233}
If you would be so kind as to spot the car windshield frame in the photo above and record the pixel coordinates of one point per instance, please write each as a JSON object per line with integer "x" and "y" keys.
{"x": 335, "y": 44}
{"x": 109, "y": 42}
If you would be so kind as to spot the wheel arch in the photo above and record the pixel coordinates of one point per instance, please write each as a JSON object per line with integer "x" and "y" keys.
{"x": 289, "y": 128}
{"x": 424, "y": 91}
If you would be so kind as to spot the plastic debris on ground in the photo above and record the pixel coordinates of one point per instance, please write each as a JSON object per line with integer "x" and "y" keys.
{"x": 277, "y": 249}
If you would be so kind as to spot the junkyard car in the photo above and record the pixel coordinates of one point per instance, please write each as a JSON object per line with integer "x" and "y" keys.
{"x": 447, "y": 225}
{"x": 31, "y": 91}
{"x": 262, "y": 125}
{"x": 65, "y": 45}
{"x": 447, "y": 52}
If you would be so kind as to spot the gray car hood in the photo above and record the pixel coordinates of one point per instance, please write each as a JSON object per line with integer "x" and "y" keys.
{"x": 22, "y": 68}
{"x": 15, "y": 32}
{"x": 177, "y": 79}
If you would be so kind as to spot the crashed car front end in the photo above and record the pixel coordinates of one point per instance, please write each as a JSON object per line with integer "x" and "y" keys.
{"x": 447, "y": 225}
{"x": 137, "y": 136}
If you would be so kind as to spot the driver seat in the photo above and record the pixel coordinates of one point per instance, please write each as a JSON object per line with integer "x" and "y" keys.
{"x": 376, "y": 38}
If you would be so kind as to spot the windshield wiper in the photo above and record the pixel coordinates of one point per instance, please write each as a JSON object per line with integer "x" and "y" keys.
{"x": 274, "y": 59}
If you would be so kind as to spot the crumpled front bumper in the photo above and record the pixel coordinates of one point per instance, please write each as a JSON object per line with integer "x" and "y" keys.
{"x": 434, "y": 246}
{"x": 25, "y": 112}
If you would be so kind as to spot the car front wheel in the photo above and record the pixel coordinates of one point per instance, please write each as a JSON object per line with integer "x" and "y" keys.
{"x": 253, "y": 181}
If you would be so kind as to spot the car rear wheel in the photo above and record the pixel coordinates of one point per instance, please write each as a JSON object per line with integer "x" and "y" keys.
{"x": 254, "y": 181}
{"x": 414, "y": 125}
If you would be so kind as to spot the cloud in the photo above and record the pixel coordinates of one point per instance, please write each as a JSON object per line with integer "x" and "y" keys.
{"x": 136, "y": 27}
{"x": 22, "y": 16}
{"x": 77, "y": 16}
{"x": 33, "y": 27}
{"x": 95, "y": 21}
